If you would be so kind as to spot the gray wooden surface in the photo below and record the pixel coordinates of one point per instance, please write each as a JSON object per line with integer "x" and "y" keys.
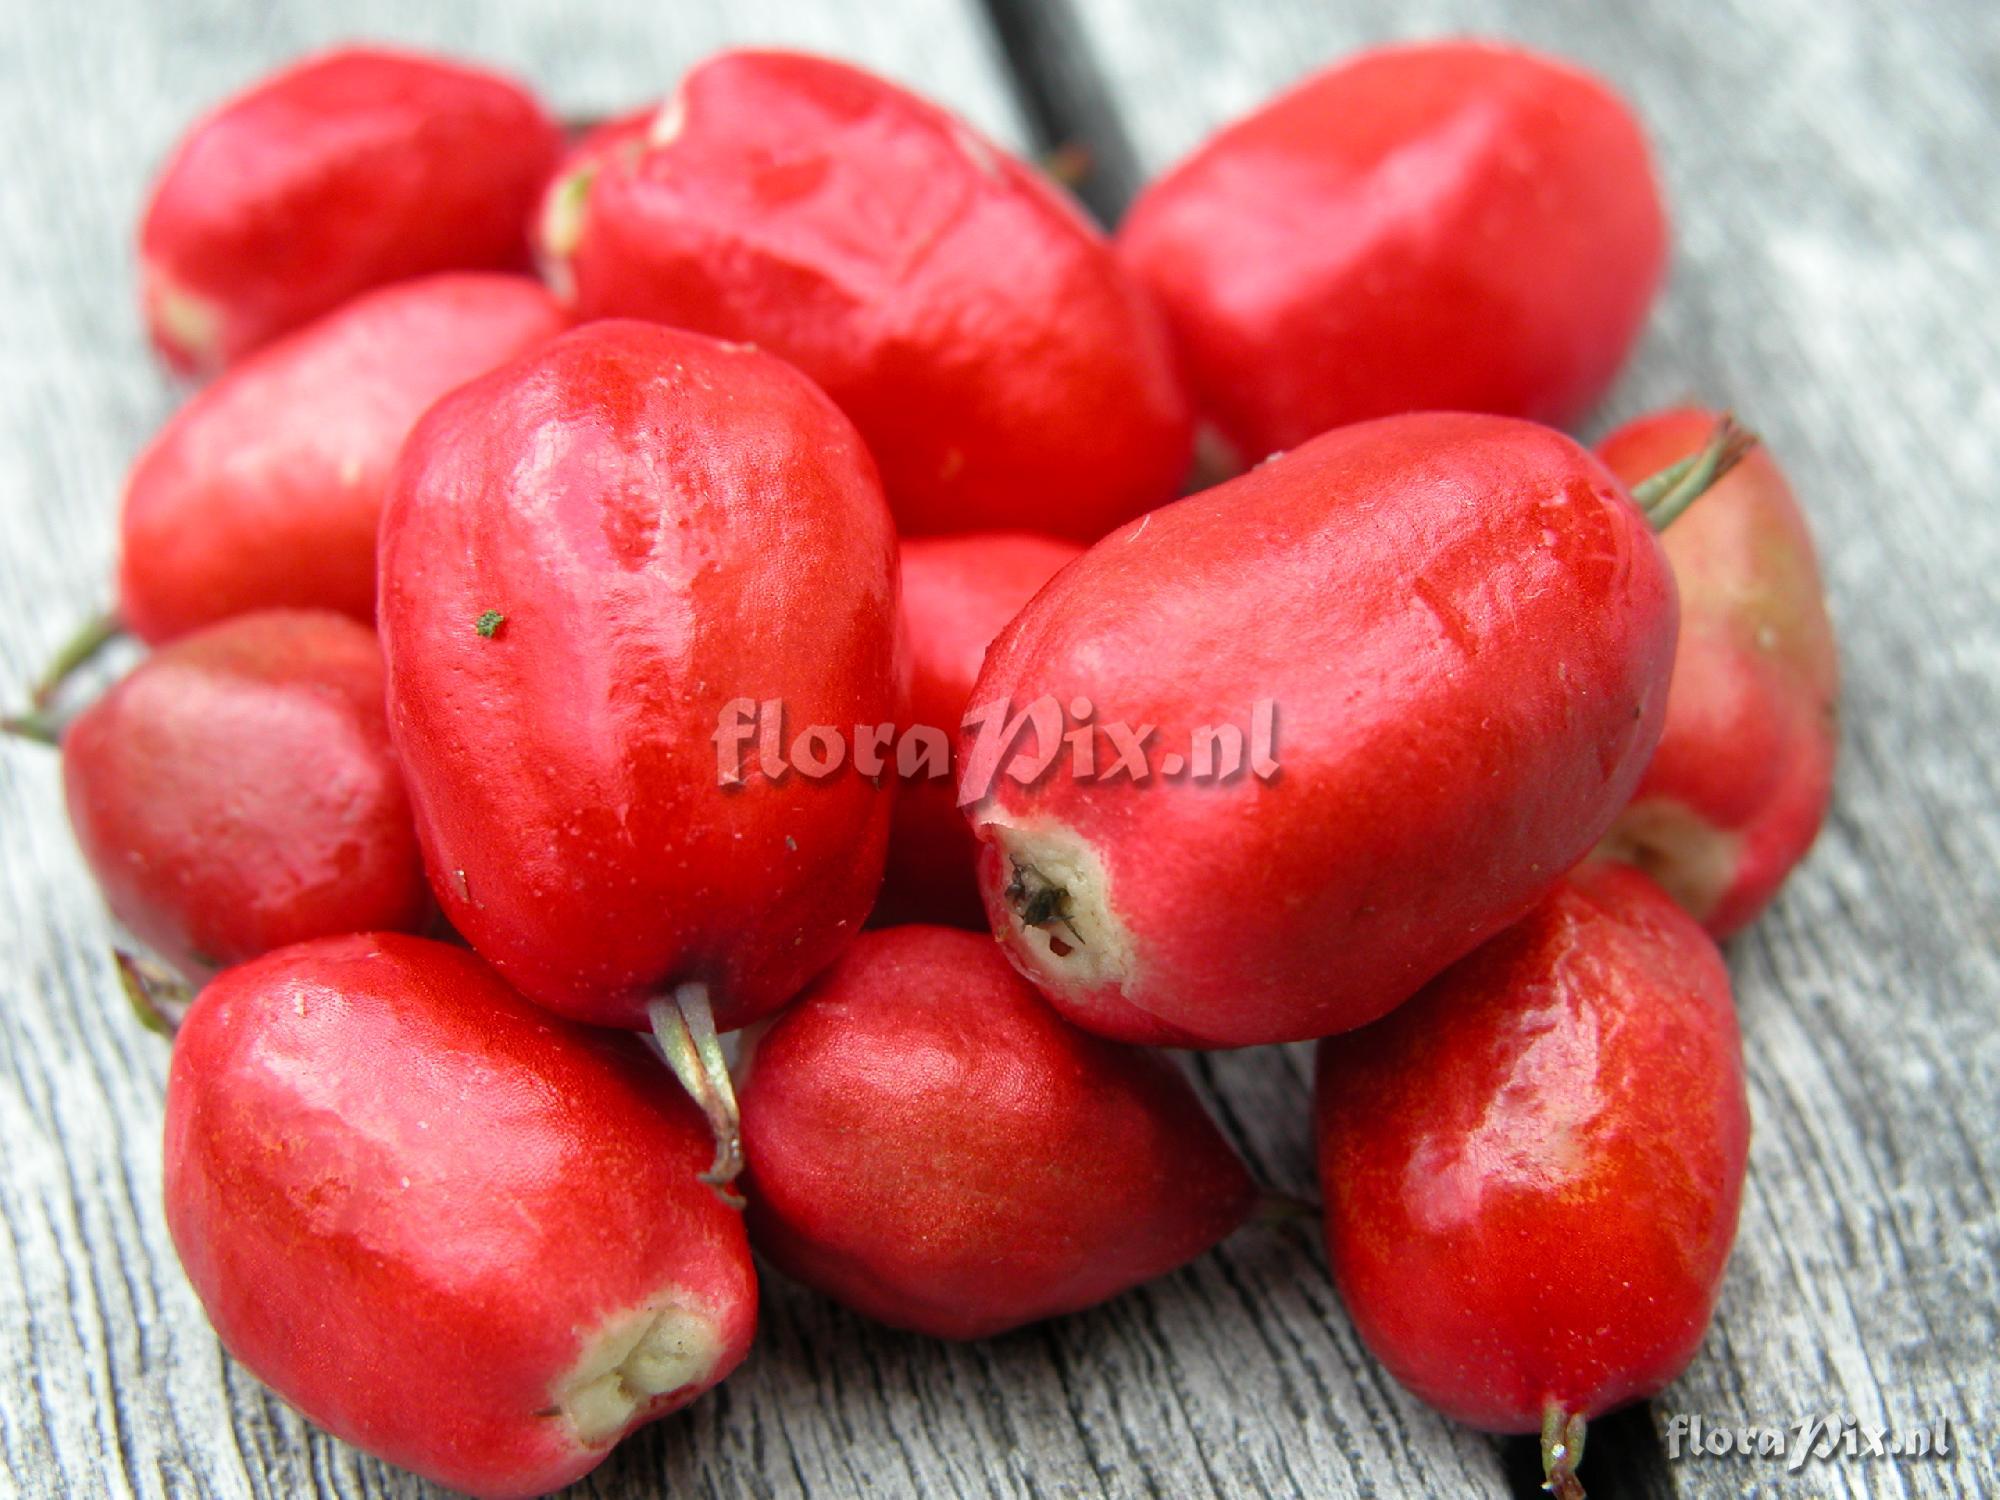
{"x": 1833, "y": 167}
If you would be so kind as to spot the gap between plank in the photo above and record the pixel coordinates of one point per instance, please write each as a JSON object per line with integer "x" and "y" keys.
{"x": 1062, "y": 92}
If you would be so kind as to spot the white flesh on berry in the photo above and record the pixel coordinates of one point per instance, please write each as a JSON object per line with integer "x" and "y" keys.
{"x": 187, "y": 323}
{"x": 636, "y": 1358}
{"x": 1693, "y": 861}
{"x": 1086, "y": 946}
{"x": 668, "y": 123}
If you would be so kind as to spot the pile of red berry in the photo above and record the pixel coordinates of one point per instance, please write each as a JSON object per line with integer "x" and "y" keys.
{"x": 548, "y": 670}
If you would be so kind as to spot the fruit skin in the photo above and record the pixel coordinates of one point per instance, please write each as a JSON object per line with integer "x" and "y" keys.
{"x": 408, "y": 1199}
{"x": 1455, "y": 226}
{"x": 265, "y": 489}
{"x": 559, "y": 214}
{"x": 932, "y": 1145}
{"x": 1004, "y": 370}
{"x": 1466, "y": 629}
{"x": 958, "y": 592}
{"x": 663, "y": 524}
{"x": 1532, "y": 1170}
{"x": 346, "y": 171}
{"x": 236, "y": 792}
{"x": 1737, "y": 791}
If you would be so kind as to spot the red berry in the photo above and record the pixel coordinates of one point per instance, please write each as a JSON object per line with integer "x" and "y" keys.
{"x": 450, "y": 1228}
{"x": 1452, "y": 226}
{"x": 1460, "y": 629}
{"x": 958, "y": 592}
{"x": 980, "y": 333}
{"x": 931, "y": 1144}
{"x": 586, "y": 558}
{"x": 344, "y": 172}
{"x": 1737, "y": 790}
{"x": 236, "y": 792}
{"x": 1532, "y": 1170}
{"x": 559, "y": 215}
{"x": 266, "y": 488}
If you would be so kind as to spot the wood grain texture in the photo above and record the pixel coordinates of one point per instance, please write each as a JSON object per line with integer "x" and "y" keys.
{"x": 1837, "y": 195}
{"x": 1837, "y": 214}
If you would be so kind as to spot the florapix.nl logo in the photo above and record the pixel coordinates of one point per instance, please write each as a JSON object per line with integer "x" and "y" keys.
{"x": 1046, "y": 737}
{"x": 1829, "y": 1437}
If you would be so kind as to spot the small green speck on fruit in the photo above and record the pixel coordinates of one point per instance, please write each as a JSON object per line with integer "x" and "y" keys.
{"x": 791, "y": 843}
{"x": 488, "y": 623}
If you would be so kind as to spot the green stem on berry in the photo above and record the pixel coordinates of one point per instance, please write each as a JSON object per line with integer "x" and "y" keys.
{"x": 32, "y": 725}
{"x": 1663, "y": 496}
{"x": 1562, "y": 1451}
{"x": 99, "y": 631}
{"x": 1068, "y": 164}
{"x": 158, "y": 996}
{"x": 684, "y": 1025}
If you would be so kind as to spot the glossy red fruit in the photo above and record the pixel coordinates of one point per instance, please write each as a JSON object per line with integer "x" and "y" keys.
{"x": 1740, "y": 784}
{"x": 559, "y": 214}
{"x": 1444, "y": 226}
{"x": 450, "y": 1228}
{"x": 1003, "y": 369}
{"x": 931, "y": 1144}
{"x": 588, "y": 559}
{"x": 266, "y": 488}
{"x": 1532, "y": 1170}
{"x": 958, "y": 591}
{"x": 1449, "y": 638}
{"x": 344, "y": 172}
{"x": 236, "y": 792}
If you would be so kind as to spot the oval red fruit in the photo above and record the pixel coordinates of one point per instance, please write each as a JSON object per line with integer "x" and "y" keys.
{"x": 559, "y": 214}
{"x": 1444, "y": 226}
{"x": 958, "y": 592}
{"x": 344, "y": 172}
{"x": 266, "y": 488}
{"x": 1447, "y": 639}
{"x": 1004, "y": 370}
{"x": 931, "y": 1144}
{"x": 590, "y": 560}
{"x": 450, "y": 1228}
{"x": 1532, "y": 1170}
{"x": 236, "y": 792}
{"x": 1736, "y": 793}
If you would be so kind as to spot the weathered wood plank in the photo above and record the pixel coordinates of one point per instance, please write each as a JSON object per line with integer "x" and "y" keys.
{"x": 1838, "y": 213}
{"x": 1866, "y": 1278}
